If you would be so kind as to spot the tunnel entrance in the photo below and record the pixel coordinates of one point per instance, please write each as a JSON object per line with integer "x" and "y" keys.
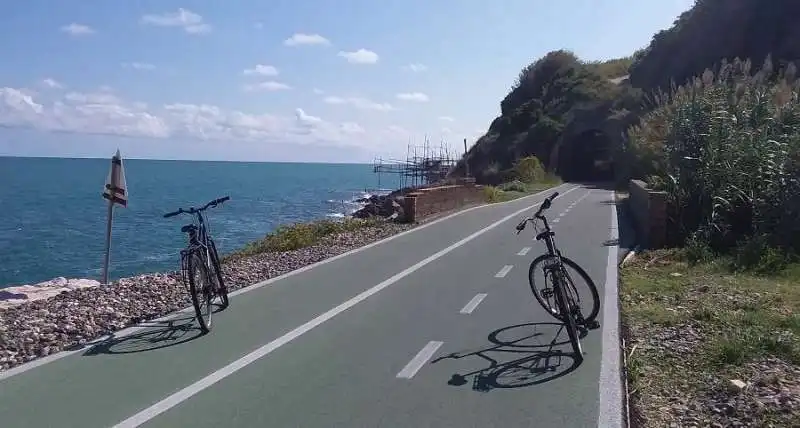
{"x": 587, "y": 157}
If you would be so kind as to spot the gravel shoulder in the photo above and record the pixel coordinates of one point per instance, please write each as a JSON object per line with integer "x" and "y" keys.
{"x": 43, "y": 327}
{"x": 709, "y": 348}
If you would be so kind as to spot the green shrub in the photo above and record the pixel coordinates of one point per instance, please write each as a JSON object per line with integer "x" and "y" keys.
{"x": 754, "y": 254}
{"x": 529, "y": 170}
{"x": 492, "y": 194}
{"x": 726, "y": 149}
{"x": 697, "y": 250}
{"x": 514, "y": 186}
{"x": 301, "y": 235}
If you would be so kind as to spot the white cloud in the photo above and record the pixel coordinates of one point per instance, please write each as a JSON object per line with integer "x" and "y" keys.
{"x": 413, "y": 96}
{"x": 446, "y": 131}
{"x": 139, "y": 66}
{"x": 191, "y": 22}
{"x": 267, "y": 86}
{"x": 96, "y": 113}
{"x": 262, "y": 70}
{"x": 398, "y": 130}
{"x": 361, "y": 56}
{"x": 306, "y": 119}
{"x": 446, "y": 119}
{"x": 416, "y": 67}
{"x": 359, "y": 103}
{"x": 318, "y": 91}
{"x": 299, "y": 39}
{"x": 52, "y": 83}
{"x": 76, "y": 29}
{"x": 352, "y": 128}
{"x": 92, "y": 98}
{"x": 107, "y": 114}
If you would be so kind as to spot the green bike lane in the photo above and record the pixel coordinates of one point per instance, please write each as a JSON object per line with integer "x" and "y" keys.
{"x": 106, "y": 384}
{"x": 345, "y": 372}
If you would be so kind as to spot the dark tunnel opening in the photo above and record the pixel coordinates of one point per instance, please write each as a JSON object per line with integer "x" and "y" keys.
{"x": 587, "y": 157}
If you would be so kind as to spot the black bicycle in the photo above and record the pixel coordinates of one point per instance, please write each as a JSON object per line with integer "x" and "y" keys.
{"x": 567, "y": 307}
{"x": 200, "y": 266}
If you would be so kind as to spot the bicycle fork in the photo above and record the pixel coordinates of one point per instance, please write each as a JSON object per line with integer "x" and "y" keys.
{"x": 560, "y": 279}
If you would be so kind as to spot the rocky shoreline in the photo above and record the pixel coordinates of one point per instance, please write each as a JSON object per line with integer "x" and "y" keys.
{"x": 54, "y": 323}
{"x": 388, "y": 206}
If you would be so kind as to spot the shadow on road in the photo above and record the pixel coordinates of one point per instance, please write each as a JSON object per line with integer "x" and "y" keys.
{"x": 155, "y": 335}
{"x": 627, "y": 237}
{"x": 602, "y": 185}
{"x": 532, "y": 362}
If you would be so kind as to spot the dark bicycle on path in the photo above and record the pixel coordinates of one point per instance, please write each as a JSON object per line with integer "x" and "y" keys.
{"x": 558, "y": 284}
{"x": 200, "y": 266}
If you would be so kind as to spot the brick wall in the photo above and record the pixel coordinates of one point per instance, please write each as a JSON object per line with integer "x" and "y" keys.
{"x": 425, "y": 202}
{"x": 649, "y": 209}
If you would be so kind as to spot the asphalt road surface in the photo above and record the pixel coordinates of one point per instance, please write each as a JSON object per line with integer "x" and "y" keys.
{"x": 432, "y": 328}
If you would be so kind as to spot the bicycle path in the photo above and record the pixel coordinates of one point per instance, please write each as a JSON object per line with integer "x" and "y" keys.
{"x": 344, "y": 370}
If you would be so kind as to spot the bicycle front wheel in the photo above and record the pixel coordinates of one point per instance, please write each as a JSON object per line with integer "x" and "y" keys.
{"x": 543, "y": 290}
{"x": 200, "y": 288}
{"x": 559, "y": 293}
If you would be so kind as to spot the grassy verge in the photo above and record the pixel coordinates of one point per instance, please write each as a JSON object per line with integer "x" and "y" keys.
{"x": 707, "y": 346}
{"x": 517, "y": 189}
{"x": 300, "y": 235}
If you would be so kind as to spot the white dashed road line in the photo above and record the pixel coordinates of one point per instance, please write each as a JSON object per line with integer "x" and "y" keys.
{"x": 419, "y": 360}
{"x": 472, "y": 304}
{"x": 524, "y": 251}
{"x": 504, "y": 271}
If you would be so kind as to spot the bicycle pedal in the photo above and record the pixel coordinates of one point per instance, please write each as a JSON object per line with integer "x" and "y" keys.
{"x": 547, "y": 292}
{"x": 593, "y": 325}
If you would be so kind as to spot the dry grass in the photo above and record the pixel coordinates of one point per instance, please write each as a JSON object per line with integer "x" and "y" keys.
{"x": 691, "y": 330}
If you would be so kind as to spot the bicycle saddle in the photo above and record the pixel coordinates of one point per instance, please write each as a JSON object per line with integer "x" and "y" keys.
{"x": 188, "y": 227}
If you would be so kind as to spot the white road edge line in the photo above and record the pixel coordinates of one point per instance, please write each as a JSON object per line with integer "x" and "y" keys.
{"x": 504, "y": 271}
{"x": 419, "y": 360}
{"x": 524, "y": 251}
{"x": 187, "y": 392}
{"x": 610, "y": 397}
{"x": 147, "y": 324}
{"x": 472, "y": 304}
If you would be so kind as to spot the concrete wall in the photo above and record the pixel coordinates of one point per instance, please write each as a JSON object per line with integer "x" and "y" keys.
{"x": 425, "y": 202}
{"x": 649, "y": 209}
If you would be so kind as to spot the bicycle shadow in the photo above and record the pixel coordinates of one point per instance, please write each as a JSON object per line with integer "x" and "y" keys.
{"x": 155, "y": 335}
{"x": 532, "y": 363}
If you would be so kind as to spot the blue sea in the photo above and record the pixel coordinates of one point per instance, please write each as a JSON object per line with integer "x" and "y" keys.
{"x": 53, "y": 217}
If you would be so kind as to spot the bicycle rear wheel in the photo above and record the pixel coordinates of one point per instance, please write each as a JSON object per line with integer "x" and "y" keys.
{"x": 546, "y": 263}
{"x": 222, "y": 290}
{"x": 200, "y": 290}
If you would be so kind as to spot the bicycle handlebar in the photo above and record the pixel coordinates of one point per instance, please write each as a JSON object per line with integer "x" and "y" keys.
{"x": 544, "y": 206}
{"x": 211, "y": 204}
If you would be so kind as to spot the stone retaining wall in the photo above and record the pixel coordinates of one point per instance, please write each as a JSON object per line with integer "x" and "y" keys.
{"x": 649, "y": 209}
{"x": 425, "y": 202}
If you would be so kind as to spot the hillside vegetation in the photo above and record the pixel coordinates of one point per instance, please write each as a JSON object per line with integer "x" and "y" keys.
{"x": 538, "y": 109}
{"x": 573, "y": 114}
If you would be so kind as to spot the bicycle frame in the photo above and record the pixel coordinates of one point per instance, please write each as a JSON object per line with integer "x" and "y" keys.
{"x": 198, "y": 235}
{"x": 197, "y": 238}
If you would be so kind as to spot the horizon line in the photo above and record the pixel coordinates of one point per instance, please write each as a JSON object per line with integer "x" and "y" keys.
{"x": 184, "y": 160}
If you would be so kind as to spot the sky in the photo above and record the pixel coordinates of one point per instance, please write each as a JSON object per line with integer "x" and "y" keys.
{"x": 283, "y": 80}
